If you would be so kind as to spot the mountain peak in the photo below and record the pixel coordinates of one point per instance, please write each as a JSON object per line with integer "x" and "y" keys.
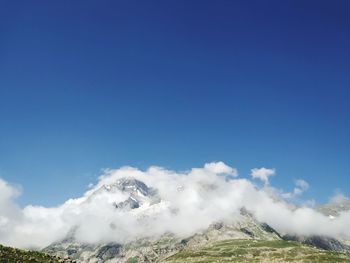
{"x": 132, "y": 186}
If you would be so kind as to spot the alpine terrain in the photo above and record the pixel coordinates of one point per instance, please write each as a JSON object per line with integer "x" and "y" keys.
{"x": 242, "y": 239}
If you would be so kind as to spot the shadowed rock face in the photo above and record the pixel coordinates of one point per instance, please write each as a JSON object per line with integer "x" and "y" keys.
{"x": 109, "y": 251}
{"x": 247, "y": 232}
{"x": 269, "y": 229}
{"x": 129, "y": 203}
{"x": 71, "y": 252}
{"x": 326, "y": 243}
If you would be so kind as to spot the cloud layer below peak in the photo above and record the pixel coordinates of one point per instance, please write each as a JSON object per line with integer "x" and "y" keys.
{"x": 209, "y": 194}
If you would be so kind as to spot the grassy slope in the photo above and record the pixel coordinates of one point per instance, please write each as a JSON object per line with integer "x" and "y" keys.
{"x": 224, "y": 251}
{"x": 257, "y": 251}
{"x": 13, "y": 255}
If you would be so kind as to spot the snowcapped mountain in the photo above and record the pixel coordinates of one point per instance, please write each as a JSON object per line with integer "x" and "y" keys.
{"x": 144, "y": 204}
{"x": 133, "y": 198}
{"x": 136, "y": 192}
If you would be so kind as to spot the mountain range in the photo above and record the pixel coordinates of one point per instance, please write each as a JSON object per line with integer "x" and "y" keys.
{"x": 143, "y": 202}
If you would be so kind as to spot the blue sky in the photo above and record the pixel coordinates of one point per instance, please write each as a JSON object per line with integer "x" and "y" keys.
{"x": 87, "y": 85}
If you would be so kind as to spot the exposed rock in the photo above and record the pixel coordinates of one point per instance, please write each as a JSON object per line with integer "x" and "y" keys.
{"x": 269, "y": 229}
{"x": 247, "y": 232}
{"x": 109, "y": 251}
{"x": 323, "y": 242}
{"x": 129, "y": 203}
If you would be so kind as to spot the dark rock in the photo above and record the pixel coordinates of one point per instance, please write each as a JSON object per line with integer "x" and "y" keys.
{"x": 129, "y": 203}
{"x": 109, "y": 251}
{"x": 322, "y": 242}
{"x": 247, "y": 231}
{"x": 269, "y": 229}
{"x": 218, "y": 225}
{"x": 71, "y": 251}
{"x": 244, "y": 212}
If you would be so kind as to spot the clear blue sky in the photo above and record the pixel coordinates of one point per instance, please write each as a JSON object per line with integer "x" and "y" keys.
{"x": 86, "y": 85}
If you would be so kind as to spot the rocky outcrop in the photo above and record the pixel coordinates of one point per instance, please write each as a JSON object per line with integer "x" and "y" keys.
{"x": 322, "y": 242}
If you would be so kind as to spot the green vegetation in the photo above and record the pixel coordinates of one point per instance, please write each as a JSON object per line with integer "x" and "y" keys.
{"x": 257, "y": 251}
{"x": 13, "y": 255}
{"x": 133, "y": 260}
{"x": 221, "y": 252}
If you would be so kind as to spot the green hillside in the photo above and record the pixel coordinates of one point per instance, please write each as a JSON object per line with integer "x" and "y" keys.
{"x": 257, "y": 251}
{"x": 221, "y": 252}
{"x": 13, "y": 255}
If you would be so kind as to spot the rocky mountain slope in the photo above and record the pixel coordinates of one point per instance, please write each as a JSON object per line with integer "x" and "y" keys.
{"x": 224, "y": 240}
{"x": 156, "y": 249}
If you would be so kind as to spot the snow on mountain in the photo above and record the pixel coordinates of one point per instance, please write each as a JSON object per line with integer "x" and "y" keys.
{"x": 143, "y": 203}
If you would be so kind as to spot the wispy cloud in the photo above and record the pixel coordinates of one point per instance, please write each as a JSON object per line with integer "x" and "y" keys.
{"x": 263, "y": 174}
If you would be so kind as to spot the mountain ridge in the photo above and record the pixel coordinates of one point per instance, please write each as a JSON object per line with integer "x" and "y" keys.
{"x": 158, "y": 248}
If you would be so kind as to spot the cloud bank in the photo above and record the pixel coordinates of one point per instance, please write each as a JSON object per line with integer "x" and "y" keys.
{"x": 209, "y": 194}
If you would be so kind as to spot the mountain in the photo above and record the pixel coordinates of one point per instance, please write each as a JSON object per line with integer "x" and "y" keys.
{"x": 225, "y": 240}
{"x": 257, "y": 251}
{"x": 138, "y": 193}
{"x": 158, "y": 248}
{"x": 334, "y": 208}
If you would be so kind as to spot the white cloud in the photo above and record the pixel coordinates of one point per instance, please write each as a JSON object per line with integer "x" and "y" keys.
{"x": 263, "y": 174}
{"x": 220, "y": 168}
{"x": 339, "y": 198}
{"x": 200, "y": 193}
{"x": 10, "y": 213}
{"x": 300, "y": 187}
